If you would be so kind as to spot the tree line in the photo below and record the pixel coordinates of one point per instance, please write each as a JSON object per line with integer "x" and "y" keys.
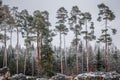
{"x": 36, "y": 29}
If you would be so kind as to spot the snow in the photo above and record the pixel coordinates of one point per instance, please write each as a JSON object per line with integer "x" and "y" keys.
{"x": 105, "y": 75}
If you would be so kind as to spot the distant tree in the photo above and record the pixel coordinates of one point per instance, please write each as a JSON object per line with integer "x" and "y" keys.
{"x": 61, "y": 28}
{"x": 1, "y": 55}
{"x": 81, "y": 51}
{"x": 11, "y": 59}
{"x": 99, "y": 60}
{"x": 91, "y": 58}
{"x": 71, "y": 61}
{"x": 114, "y": 58}
{"x": 105, "y": 14}
{"x": 47, "y": 59}
{"x": 33, "y": 61}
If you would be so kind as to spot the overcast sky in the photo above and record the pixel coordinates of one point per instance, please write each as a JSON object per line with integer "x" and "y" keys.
{"x": 84, "y": 5}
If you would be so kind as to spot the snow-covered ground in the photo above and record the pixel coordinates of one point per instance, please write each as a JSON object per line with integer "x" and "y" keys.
{"x": 102, "y": 75}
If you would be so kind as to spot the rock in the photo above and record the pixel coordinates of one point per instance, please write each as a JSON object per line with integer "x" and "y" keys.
{"x": 69, "y": 78}
{"x": 2, "y": 78}
{"x": 4, "y": 73}
{"x": 41, "y": 79}
{"x": 30, "y": 78}
{"x": 7, "y": 74}
{"x": 61, "y": 77}
{"x": 58, "y": 77}
{"x": 98, "y": 76}
{"x": 4, "y": 70}
{"x": 19, "y": 77}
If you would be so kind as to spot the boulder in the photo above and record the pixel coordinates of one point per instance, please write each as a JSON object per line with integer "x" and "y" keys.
{"x": 2, "y": 78}
{"x": 4, "y": 70}
{"x": 98, "y": 76}
{"x": 41, "y": 79}
{"x": 4, "y": 73}
{"x": 61, "y": 77}
{"x": 58, "y": 77}
{"x": 69, "y": 78}
{"x": 30, "y": 78}
{"x": 19, "y": 77}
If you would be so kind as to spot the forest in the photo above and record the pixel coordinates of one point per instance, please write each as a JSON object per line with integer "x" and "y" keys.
{"x": 41, "y": 57}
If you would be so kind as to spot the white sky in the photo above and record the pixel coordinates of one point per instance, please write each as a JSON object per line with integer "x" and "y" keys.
{"x": 84, "y": 5}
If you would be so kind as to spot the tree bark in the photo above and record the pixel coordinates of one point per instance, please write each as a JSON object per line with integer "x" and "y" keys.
{"x": 76, "y": 53}
{"x": 5, "y": 51}
{"x": 11, "y": 41}
{"x": 25, "y": 62}
{"x": 26, "y": 53}
{"x": 65, "y": 55}
{"x": 87, "y": 56}
{"x": 39, "y": 54}
{"x": 61, "y": 53}
{"x": 32, "y": 65}
{"x": 17, "y": 51}
{"x": 82, "y": 56}
{"x": 106, "y": 49}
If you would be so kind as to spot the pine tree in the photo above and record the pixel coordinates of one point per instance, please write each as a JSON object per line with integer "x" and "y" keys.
{"x": 61, "y": 28}
{"x": 46, "y": 47}
{"x": 17, "y": 26}
{"x": 6, "y": 21}
{"x": 37, "y": 28}
{"x": 1, "y": 12}
{"x": 26, "y": 21}
{"x": 75, "y": 26}
{"x": 105, "y": 14}
{"x": 99, "y": 61}
{"x": 89, "y": 36}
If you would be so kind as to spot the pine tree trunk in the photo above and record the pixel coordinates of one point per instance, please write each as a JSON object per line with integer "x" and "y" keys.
{"x": 61, "y": 53}
{"x": 25, "y": 59}
{"x": 39, "y": 54}
{"x": 11, "y": 42}
{"x": 76, "y": 53}
{"x": 17, "y": 52}
{"x": 32, "y": 65}
{"x": 106, "y": 49}
{"x": 65, "y": 54}
{"x": 25, "y": 62}
{"x": 87, "y": 56}
{"x": 5, "y": 51}
{"x": 41, "y": 40}
{"x": 69, "y": 69}
{"x": 26, "y": 54}
{"x": 82, "y": 56}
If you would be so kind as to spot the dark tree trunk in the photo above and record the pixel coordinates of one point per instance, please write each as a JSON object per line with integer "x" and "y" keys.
{"x": 17, "y": 51}
{"x": 76, "y": 53}
{"x": 11, "y": 41}
{"x": 5, "y": 51}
